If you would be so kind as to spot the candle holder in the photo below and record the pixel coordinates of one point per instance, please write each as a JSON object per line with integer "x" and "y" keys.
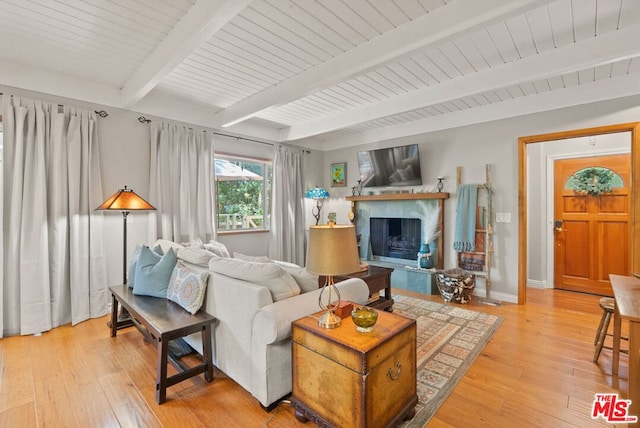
{"x": 359, "y": 188}
{"x": 440, "y": 184}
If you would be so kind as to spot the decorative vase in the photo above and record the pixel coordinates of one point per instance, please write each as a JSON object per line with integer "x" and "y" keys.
{"x": 425, "y": 261}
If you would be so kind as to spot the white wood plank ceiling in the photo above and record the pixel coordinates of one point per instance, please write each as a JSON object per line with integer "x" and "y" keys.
{"x": 324, "y": 73}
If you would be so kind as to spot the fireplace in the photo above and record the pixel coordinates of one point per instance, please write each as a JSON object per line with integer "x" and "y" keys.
{"x": 395, "y": 238}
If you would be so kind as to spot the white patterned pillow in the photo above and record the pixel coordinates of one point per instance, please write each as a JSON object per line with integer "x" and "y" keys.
{"x": 165, "y": 244}
{"x": 306, "y": 281}
{"x": 217, "y": 248}
{"x": 196, "y": 256}
{"x": 259, "y": 259}
{"x": 187, "y": 287}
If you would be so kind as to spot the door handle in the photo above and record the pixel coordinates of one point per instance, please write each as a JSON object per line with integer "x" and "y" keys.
{"x": 557, "y": 226}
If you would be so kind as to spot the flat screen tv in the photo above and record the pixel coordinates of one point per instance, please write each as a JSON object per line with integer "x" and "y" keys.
{"x": 393, "y": 166}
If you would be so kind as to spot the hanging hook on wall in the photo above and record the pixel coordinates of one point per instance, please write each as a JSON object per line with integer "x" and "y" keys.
{"x": 143, "y": 119}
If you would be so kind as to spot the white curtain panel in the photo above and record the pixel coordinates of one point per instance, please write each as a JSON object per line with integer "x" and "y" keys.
{"x": 54, "y": 266}
{"x": 286, "y": 239}
{"x": 181, "y": 183}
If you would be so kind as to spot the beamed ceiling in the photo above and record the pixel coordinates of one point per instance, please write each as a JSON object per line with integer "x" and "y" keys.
{"x": 324, "y": 73}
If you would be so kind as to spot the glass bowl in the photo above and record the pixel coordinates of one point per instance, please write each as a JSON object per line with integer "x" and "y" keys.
{"x": 364, "y": 318}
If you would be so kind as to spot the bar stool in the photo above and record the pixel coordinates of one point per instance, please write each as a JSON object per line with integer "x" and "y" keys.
{"x": 608, "y": 305}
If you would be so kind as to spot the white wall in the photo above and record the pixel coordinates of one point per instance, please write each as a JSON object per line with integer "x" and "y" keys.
{"x": 493, "y": 143}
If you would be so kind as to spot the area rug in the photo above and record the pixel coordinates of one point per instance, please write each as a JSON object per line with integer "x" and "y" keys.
{"x": 449, "y": 338}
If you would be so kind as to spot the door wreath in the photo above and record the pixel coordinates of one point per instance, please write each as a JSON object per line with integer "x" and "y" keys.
{"x": 593, "y": 181}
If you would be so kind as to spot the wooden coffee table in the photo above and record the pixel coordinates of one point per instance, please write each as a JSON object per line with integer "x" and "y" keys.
{"x": 343, "y": 378}
{"x": 377, "y": 278}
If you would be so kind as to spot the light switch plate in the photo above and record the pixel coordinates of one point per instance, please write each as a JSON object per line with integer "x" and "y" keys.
{"x": 503, "y": 217}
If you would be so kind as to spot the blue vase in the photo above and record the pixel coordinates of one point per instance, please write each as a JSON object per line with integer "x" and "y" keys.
{"x": 425, "y": 261}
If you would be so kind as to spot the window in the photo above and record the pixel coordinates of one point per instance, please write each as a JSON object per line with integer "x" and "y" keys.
{"x": 594, "y": 181}
{"x": 243, "y": 191}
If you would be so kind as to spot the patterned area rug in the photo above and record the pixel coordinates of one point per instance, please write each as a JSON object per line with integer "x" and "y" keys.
{"x": 450, "y": 337}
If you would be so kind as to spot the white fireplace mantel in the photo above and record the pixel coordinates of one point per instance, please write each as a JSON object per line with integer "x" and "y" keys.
{"x": 439, "y": 196}
{"x": 398, "y": 197}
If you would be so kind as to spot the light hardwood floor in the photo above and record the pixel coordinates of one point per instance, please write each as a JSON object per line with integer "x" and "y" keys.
{"x": 536, "y": 371}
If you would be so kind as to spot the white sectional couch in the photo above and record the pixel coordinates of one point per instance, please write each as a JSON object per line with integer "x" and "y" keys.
{"x": 254, "y": 304}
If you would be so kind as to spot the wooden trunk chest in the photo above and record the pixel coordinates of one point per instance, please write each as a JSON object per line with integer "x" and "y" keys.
{"x": 345, "y": 378}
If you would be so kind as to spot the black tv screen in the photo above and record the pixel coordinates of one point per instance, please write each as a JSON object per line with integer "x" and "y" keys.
{"x": 394, "y": 166}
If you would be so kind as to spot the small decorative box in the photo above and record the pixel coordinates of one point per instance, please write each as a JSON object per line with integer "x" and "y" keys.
{"x": 344, "y": 309}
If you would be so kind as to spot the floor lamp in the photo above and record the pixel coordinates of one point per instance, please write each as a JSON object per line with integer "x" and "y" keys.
{"x": 125, "y": 200}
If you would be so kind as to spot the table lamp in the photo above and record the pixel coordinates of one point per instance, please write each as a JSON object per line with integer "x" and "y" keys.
{"x": 319, "y": 194}
{"x": 332, "y": 251}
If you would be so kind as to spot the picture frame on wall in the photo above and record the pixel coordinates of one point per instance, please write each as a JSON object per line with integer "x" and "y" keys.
{"x": 339, "y": 174}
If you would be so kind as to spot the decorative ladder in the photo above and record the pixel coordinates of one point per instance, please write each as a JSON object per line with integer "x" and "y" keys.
{"x": 487, "y": 230}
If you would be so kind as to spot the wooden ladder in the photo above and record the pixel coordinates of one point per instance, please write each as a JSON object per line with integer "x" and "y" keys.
{"x": 487, "y": 230}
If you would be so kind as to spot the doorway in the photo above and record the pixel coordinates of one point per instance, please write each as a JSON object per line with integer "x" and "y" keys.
{"x": 524, "y": 143}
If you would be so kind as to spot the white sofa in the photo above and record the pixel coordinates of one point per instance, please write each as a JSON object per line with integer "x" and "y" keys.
{"x": 252, "y": 335}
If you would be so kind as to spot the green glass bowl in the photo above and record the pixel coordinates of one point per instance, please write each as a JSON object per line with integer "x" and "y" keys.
{"x": 364, "y": 318}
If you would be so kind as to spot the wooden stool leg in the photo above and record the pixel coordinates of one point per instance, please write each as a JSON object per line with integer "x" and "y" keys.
{"x": 595, "y": 339}
{"x": 617, "y": 330}
{"x": 601, "y": 336}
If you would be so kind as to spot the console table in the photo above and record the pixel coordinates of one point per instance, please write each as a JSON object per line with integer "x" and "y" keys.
{"x": 343, "y": 378}
{"x": 378, "y": 278}
{"x": 160, "y": 321}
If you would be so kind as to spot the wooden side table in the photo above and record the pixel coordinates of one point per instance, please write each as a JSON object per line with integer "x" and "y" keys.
{"x": 378, "y": 278}
{"x": 343, "y": 378}
{"x": 626, "y": 290}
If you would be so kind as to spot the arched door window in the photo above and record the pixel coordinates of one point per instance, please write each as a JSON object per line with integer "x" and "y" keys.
{"x": 594, "y": 181}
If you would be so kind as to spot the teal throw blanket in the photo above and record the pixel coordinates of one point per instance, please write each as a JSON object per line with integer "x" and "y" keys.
{"x": 465, "y": 233}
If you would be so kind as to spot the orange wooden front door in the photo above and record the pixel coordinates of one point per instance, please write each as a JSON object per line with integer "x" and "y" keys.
{"x": 592, "y": 233}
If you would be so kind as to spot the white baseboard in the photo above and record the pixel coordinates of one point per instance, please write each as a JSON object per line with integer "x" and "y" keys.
{"x": 495, "y": 295}
{"x": 534, "y": 283}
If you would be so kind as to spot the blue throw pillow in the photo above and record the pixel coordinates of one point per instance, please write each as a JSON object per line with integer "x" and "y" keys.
{"x": 131, "y": 274}
{"x": 153, "y": 272}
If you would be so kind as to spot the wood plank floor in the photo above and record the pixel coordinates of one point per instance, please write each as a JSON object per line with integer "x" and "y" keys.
{"x": 536, "y": 371}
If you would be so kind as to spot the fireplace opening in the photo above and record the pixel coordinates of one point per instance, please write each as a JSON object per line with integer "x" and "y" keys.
{"x": 397, "y": 238}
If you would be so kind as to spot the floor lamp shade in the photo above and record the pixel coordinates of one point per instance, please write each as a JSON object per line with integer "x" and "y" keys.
{"x": 125, "y": 200}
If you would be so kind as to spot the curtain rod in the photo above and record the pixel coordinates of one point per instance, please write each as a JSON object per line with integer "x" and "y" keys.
{"x": 242, "y": 138}
{"x": 143, "y": 119}
{"x": 100, "y": 113}
{"x": 255, "y": 141}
